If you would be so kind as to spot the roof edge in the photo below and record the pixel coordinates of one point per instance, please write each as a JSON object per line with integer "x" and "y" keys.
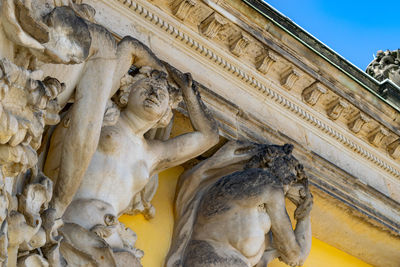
{"x": 379, "y": 89}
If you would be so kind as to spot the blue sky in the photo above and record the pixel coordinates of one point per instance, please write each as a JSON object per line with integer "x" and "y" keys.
{"x": 354, "y": 29}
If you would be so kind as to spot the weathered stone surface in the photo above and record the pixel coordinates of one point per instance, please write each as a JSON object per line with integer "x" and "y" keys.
{"x": 211, "y": 26}
{"x": 128, "y": 158}
{"x": 353, "y": 160}
{"x": 386, "y": 65}
{"x": 61, "y": 34}
{"x": 229, "y": 205}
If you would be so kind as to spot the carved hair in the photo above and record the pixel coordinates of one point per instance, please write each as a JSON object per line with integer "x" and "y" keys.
{"x": 153, "y": 77}
{"x": 156, "y": 79}
{"x": 279, "y": 161}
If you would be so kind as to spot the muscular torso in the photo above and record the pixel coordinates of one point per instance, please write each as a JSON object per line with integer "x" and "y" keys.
{"x": 232, "y": 219}
{"x": 119, "y": 169}
{"x": 241, "y": 228}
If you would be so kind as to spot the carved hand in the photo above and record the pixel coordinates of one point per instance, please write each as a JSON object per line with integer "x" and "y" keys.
{"x": 184, "y": 81}
{"x": 304, "y": 207}
{"x": 234, "y": 152}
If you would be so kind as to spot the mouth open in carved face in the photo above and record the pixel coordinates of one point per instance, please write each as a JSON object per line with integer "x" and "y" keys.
{"x": 152, "y": 101}
{"x": 149, "y": 100}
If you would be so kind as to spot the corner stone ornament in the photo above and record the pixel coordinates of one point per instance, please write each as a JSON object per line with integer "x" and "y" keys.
{"x": 85, "y": 121}
{"x": 386, "y": 65}
{"x": 230, "y": 209}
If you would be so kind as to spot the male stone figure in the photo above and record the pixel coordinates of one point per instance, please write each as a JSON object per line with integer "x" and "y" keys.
{"x": 65, "y": 34}
{"x": 231, "y": 209}
{"x": 125, "y": 160}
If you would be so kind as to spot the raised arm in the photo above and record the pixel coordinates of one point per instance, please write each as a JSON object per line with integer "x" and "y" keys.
{"x": 83, "y": 130}
{"x": 303, "y": 226}
{"x": 186, "y": 146}
{"x": 293, "y": 246}
{"x": 132, "y": 51}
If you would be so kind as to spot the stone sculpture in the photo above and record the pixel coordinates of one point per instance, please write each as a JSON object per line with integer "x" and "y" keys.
{"x": 125, "y": 160}
{"x": 230, "y": 209}
{"x": 386, "y": 65}
{"x": 107, "y": 149}
{"x": 60, "y": 39}
{"x": 63, "y": 32}
{"x": 28, "y": 103}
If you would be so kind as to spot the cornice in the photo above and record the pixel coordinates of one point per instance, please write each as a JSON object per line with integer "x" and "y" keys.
{"x": 361, "y": 77}
{"x": 235, "y": 123}
{"x": 271, "y": 91}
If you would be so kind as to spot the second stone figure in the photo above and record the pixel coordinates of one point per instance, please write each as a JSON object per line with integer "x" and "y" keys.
{"x": 230, "y": 209}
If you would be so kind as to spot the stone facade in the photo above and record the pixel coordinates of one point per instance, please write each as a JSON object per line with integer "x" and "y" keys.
{"x": 88, "y": 93}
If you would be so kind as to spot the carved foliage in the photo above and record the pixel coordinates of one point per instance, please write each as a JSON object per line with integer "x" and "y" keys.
{"x": 211, "y": 26}
{"x": 289, "y": 78}
{"x": 312, "y": 93}
{"x": 183, "y": 8}
{"x": 239, "y": 44}
{"x": 26, "y": 106}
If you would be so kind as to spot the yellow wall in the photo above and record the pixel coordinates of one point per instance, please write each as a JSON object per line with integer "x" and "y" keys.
{"x": 154, "y": 236}
{"x": 324, "y": 255}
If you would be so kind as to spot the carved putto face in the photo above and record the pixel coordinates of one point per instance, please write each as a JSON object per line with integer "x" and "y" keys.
{"x": 149, "y": 95}
{"x": 149, "y": 99}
